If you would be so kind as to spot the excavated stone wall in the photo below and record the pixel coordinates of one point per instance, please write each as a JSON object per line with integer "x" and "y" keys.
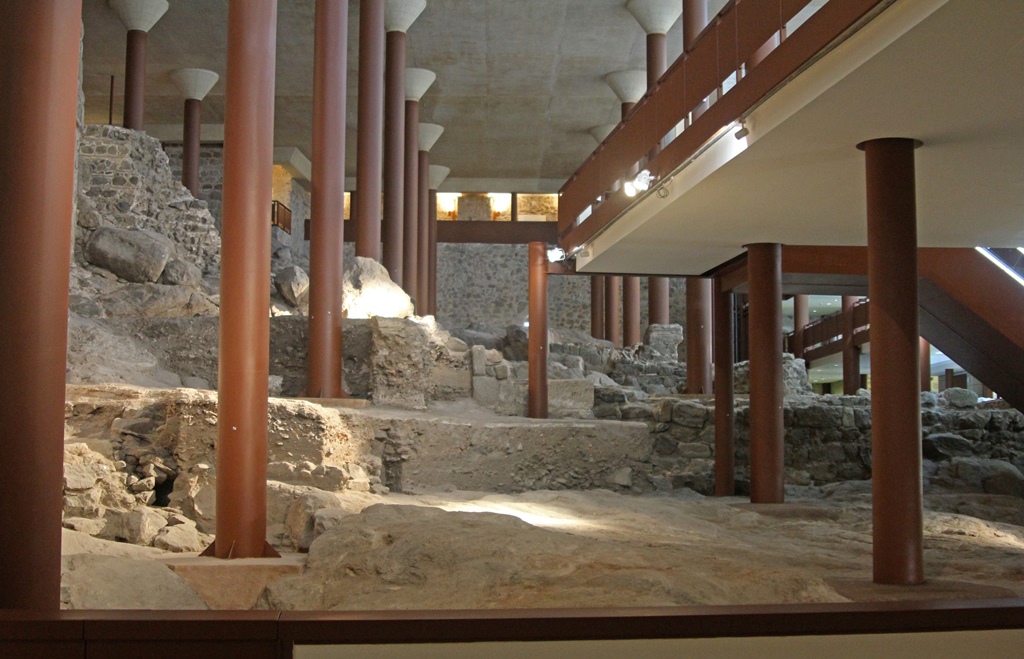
{"x": 211, "y": 174}
{"x": 486, "y": 286}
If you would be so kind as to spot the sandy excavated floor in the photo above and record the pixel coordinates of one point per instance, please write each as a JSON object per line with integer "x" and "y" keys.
{"x": 600, "y": 549}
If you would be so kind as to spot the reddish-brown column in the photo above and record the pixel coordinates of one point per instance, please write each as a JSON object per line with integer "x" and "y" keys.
{"x": 950, "y": 374}
{"x": 411, "y": 235}
{"x": 135, "y": 79}
{"x": 513, "y": 211}
{"x": 801, "y": 316}
{"x": 631, "y": 310}
{"x": 725, "y": 460}
{"x": 597, "y": 307}
{"x": 423, "y": 237}
{"x": 851, "y": 351}
{"x": 698, "y": 335}
{"x": 658, "y": 287}
{"x": 190, "y": 146}
{"x": 537, "y": 390}
{"x": 194, "y": 85}
{"x": 394, "y": 156}
{"x": 926, "y": 364}
{"x": 369, "y": 143}
{"x": 764, "y": 264}
{"x": 39, "y": 42}
{"x": 245, "y": 282}
{"x": 612, "y": 318}
{"x": 437, "y": 175}
{"x": 658, "y": 301}
{"x": 695, "y": 19}
{"x": 327, "y": 216}
{"x": 432, "y": 259}
{"x": 895, "y": 371}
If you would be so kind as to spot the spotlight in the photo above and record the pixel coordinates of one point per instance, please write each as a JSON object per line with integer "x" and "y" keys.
{"x": 742, "y": 132}
{"x": 556, "y": 254}
{"x": 642, "y": 183}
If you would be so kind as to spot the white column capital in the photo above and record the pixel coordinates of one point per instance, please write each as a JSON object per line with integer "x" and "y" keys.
{"x": 417, "y": 82}
{"x": 139, "y": 14}
{"x": 194, "y": 83}
{"x": 399, "y": 15}
{"x": 438, "y": 173}
{"x": 429, "y": 135}
{"x": 655, "y": 16}
{"x": 629, "y": 85}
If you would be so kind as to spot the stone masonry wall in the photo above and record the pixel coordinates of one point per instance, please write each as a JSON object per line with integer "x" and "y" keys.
{"x": 211, "y": 173}
{"x": 125, "y": 182}
{"x": 487, "y": 285}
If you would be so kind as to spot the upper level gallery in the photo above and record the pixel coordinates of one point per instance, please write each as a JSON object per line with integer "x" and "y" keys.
{"x": 745, "y": 147}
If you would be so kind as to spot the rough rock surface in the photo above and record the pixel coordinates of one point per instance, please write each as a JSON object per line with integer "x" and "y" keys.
{"x": 131, "y": 254}
{"x": 108, "y": 582}
{"x": 291, "y": 283}
{"x": 368, "y": 291}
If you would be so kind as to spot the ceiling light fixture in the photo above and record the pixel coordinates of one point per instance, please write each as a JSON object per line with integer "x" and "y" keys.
{"x": 742, "y": 132}
{"x": 642, "y": 183}
{"x": 556, "y": 254}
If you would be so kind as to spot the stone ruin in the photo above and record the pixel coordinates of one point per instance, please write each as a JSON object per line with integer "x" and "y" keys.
{"x": 140, "y": 460}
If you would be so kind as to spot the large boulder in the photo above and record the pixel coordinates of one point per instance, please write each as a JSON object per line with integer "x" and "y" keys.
{"x": 368, "y": 291}
{"x": 131, "y": 254}
{"x": 292, "y": 283}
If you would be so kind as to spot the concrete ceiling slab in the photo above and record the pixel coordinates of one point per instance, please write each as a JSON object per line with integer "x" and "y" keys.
{"x": 519, "y": 83}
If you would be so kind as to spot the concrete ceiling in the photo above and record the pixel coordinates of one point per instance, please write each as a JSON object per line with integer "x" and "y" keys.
{"x": 519, "y": 83}
{"x": 950, "y": 73}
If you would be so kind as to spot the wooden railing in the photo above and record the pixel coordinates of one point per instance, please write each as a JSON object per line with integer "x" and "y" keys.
{"x": 275, "y": 634}
{"x": 824, "y": 336}
{"x": 723, "y": 52}
{"x": 281, "y": 216}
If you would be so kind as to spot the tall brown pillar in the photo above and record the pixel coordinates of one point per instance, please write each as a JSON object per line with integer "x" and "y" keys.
{"x": 369, "y": 143}
{"x": 895, "y": 371}
{"x": 418, "y": 81}
{"x": 695, "y": 19}
{"x": 423, "y": 242}
{"x": 767, "y": 432}
{"x": 725, "y": 460}
{"x": 194, "y": 85}
{"x": 135, "y": 80}
{"x": 138, "y": 17}
{"x": 801, "y": 316}
{"x": 926, "y": 364}
{"x": 537, "y": 367}
{"x": 631, "y": 310}
{"x": 658, "y": 287}
{"x": 428, "y": 136}
{"x": 597, "y": 307}
{"x": 851, "y": 351}
{"x": 190, "y": 146}
{"x": 245, "y": 282}
{"x": 432, "y": 256}
{"x": 394, "y": 156}
{"x": 39, "y": 41}
{"x": 327, "y": 216}
{"x": 698, "y": 335}
{"x": 612, "y": 318}
{"x": 438, "y": 174}
{"x": 411, "y": 232}
{"x": 948, "y": 383}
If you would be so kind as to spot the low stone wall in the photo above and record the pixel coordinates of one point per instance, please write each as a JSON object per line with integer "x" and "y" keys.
{"x": 828, "y": 439}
